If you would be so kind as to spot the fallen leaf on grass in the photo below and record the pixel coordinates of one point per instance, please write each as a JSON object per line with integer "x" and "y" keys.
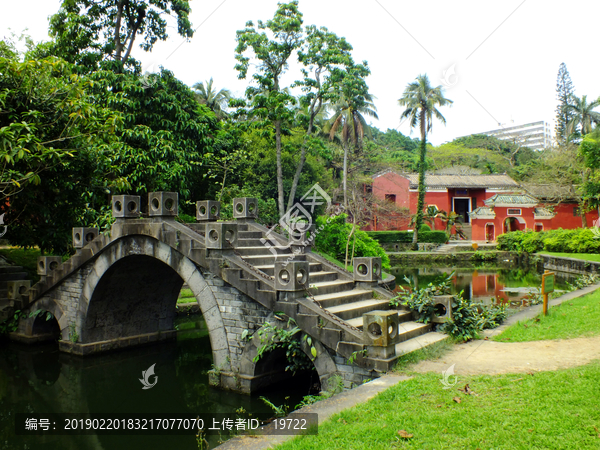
{"x": 517, "y": 379}
{"x": 467, "y": 390}
{"x": 531, "y": 431}
{"x": 597, "y": 430}
{"x": 456, "y": 399}
{"x": 530, "y": 373}
{"x": 342, "y": 421}
{"x": 439, "y": 406}
{"x": 404, "y": 434}
{"x": 537, "y": 319}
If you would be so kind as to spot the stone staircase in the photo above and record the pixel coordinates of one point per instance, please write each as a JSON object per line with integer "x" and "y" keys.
{"x": 8, "y": 273}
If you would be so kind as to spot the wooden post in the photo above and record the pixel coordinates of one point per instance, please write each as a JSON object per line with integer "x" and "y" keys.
{"x": 547, "y": 287}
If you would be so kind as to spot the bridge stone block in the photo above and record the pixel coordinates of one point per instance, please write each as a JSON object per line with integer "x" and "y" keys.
{"x": 163, "y": 204}
{"x": 221, "y": 235}
{"x": 381, "y": 330}
{"x": 208, "y": 210}
{"x": 367, "y": 269}
{"x": 245, "y": 208}
{"x": 46, "y": 264}
{"x": 443, "y": 308}
{"x": 292, "y": 276}
{"x": 18, "y": 290}
{"x": 126, "y": 206}
{"x": 83, "y": 236}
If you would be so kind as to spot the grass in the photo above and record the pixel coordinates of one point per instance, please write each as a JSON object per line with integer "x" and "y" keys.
{"x": 579, "y": 317}
{"x": 27, "y": 258}
{"x": 186, "y": 296}
{"x": 585, "y": 256}
{"x": 548, "y": 410}
{"x": 433, "y": 351}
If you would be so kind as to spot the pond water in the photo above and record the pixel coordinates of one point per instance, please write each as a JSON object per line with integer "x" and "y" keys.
{"x": 510, "y": 286}
{"x": 40, "y": 379}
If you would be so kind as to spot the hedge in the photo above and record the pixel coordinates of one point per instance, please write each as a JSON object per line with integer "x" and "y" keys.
{"x": 406, "y": 237}
{"x": 580, "y": 240}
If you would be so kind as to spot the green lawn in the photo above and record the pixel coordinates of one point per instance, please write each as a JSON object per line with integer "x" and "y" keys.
{"x": 186, "y": 296}
{"x": 575, "y": 318}
{"x": 585, "y": 256}
{"x": 548, "y": 410}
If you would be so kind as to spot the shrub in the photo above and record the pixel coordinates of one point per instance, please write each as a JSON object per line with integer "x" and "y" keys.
{"x": 424, "y": 228}
{"x": 421, "y": 300}
{"x": 406, "y": 237}
{"x": 580, "y": 240}
{"x": 332, "y": 236}
{"x": 433, "y": 237}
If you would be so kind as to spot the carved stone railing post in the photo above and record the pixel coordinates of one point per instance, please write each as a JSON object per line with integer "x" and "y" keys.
{"x": 367, "y": 270}
{"x": 208, "y": 210}
{"x": 381, "y": 333}
{"x": 221, "y": 235}
{"x": 291, "y": 278}
{"x": 163, "y": 204}
{"x": 245, "y": 209}
{"x": 47, "y": 264}
{"x": 126, "y": 206}
{"x": 83, "y": 236}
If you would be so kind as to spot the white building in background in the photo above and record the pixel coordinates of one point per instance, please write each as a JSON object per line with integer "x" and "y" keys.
{"x": 535, "y": 135}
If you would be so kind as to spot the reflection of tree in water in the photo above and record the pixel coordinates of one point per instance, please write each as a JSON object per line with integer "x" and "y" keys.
{"x": 192, "y": 363}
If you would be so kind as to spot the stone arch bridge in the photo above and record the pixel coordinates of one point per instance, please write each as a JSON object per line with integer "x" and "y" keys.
{"x": 120, "y": 289}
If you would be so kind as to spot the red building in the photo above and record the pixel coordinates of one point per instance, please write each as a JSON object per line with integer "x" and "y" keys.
{"x": 459, "y": 193}
{"x": 489, "y": 204}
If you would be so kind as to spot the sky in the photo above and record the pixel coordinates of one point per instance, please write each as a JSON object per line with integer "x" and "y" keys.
{"x": 497, "y": 61}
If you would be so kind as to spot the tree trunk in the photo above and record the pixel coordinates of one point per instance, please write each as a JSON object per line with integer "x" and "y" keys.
{"x": 345, "y": 175}
{"x": 421, "y": 194}
{"x": 348, "y": 245}
{"x": 280, "y": 201}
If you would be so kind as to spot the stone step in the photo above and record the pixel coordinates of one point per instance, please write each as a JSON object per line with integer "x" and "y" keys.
{"x": 410, "y": 330}
{"x": 424, "y": 340}
{"x": 4, "y": 277}
{"x": 249, "y": 242}
{"x": 269, "y": 269}
{"x": 343, "y": 298}
{"x": 403, "y": 316}
{"x": 262, "y": 260}
{"x": 250, "y": 235}
{"x": 329, "y": 287}
{"x": 10, "y": 269}
{"x": 262, "y": 250}
{"x": 321, "y": 276}
{"x": 357, "y": 309}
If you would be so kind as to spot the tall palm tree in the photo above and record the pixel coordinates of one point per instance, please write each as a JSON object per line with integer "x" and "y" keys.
{"x": 583, "y": 114}
{"x": 421, "y": 101}
{"x": 349, "y": 118}
{"x": 215, "y": 100}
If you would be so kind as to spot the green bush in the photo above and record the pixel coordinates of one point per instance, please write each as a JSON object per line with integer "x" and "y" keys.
{"x": 332, "y": 235}
{"x": 391, "y": 237}
{"x": 580, "y": 240}
{"x": 424, "y": 228}
{"x": 433, "y": 237}
{"x": 406, "y": 237}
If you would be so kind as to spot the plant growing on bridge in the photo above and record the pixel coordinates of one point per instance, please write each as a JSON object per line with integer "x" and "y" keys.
{"x": 421, "y": 300}
{"x": 273, "y": 337}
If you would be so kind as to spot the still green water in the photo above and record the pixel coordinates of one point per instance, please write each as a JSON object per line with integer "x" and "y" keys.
{"x": 40, "y": 379}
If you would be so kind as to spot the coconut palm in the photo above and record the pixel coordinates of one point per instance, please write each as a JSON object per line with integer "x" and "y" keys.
{"x": 215, "y": 100}
{"x": 421, "y": 100}
{"x": 349, "y": 111}
{"x": 583, "y": 114}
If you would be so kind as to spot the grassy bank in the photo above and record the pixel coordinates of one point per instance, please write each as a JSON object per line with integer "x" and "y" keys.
{"x": 584, "y": 256}
{"x": 548, "y": 410}
{"x": 27, "y": 258}
{"x": 575, "y": 318}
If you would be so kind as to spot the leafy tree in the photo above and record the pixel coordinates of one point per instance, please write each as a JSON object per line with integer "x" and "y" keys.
{"x": 584, "y": 116}
{"x": 421, "y": 100}
{"x": 325, "y": 57}
{"x": 268, "y": 101}
{"x": 87, "y": 32}
{"x": 353, "y": 103}
{"x": 216, "y": 100}
{"x": 564, "y": 91}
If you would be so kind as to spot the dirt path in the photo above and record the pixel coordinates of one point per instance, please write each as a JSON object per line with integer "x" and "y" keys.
{"x": 489, "y": 357}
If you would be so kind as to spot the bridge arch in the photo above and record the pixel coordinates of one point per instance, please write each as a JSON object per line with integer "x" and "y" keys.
{"x": 132, "y": 289}
{"x": 261, "y": 373}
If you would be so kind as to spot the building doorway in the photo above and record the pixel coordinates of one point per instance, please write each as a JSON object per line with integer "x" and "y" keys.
{"x": 462, "y": 207}
{"x": 490, "y": 234}
{"x": 511, "y": 224}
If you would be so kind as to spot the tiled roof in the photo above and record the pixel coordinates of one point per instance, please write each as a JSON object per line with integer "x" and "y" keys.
{"x": 552, "y": 192}
{"x": 544, "y": 212}
{"x": 511, "y": 199}
{"x": 482, "y": 211}
{"x": 472, "y": 181}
